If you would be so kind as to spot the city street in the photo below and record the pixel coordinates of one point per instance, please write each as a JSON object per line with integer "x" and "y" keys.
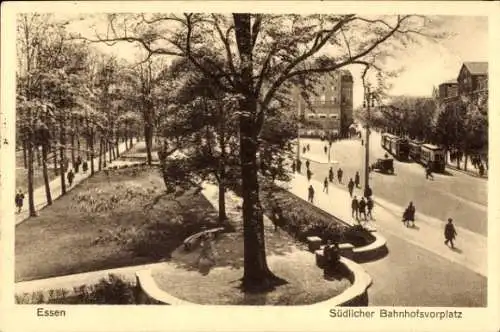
{"x": 456, "y": 195}
{"x": 420, "y": 263}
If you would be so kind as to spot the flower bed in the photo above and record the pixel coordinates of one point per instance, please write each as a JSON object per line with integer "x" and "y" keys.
{"x": 302, "y": 219}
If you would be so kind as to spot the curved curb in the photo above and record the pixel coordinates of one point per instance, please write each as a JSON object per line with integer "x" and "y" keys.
{"x": 373, "y": 251}
{"x": 188, "y": 242}
{"x": 148, "y": 291}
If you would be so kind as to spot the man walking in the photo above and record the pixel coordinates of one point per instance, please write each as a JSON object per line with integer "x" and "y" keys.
{"x": 356, "y": 179}
{"x": 325, "y": 185}
{"x": 362, "y": 208}
{"x": 85, "y": 166}
{"x": 350, "y": 186}
{"x": 354, "y": 208}
{"x": 78, "y": 162}
{"x": 325, "y": 149}
{"x": 293, "y": 166}
{"x": 330, "y": 174}
{"x": 339, "y": 175}
{"x": 450, "y": 233}
{"x": 19, "y": 200}
{"x": 309, "y": 174}
{"x": 428, "y": 172}
{"x": 310, "y": 196}
{"x": 70, "y": 177}
{"x": 369, "y": 206}
{"x": 409, "y": 215}
{"x": 368, "y": 192}
{"x": 308, "y": 163}
{"x": 299, "y": 165}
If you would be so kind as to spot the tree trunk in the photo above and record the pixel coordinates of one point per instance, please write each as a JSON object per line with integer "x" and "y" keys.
{"x": 466, "y": 160}
{"x": 31, "y": 198}
{"x": 25, "y": 155}
{"x": 38, "y": 158}
{"x": 73, "y": 141}
{"x": 46, "y": 174}
{"x": 222, "y": 202}
{"x": 458, "y": 161}
{"x": 148, "y": 137}
{"x": 92, "y": 155}
{"x": 257, "y": 276}
{"x": 54, "y": 151}
{"x": 111, "y": 151}
{"x": 62, "y": 152}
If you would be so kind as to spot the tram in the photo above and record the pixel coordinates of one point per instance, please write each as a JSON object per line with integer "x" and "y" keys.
{"x": 433, "y": 156}
{"x": 415, "y": 150}
{"x": 396, "y": 146}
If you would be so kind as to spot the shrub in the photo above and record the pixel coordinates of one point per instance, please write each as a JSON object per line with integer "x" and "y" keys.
{"x": 110, "y": 290}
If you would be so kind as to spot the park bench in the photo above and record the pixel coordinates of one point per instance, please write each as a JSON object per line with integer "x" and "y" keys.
{"x": 192, "y": 240}
{"x": 314, "y": 243}
{"x": 345, "y": 250}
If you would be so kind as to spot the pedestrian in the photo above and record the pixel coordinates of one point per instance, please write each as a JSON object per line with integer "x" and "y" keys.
{"x": 369, "y": 206}
{"x": 310, "y": 197}
{"x": 85, "y": 166}
{"x": 293, "y": 166}
{"x": 356, "y": 179}
{"x": 70, "y": 177}
{"x": 308, "y": 163}
{"x": 362, "y": 207}
{"x": 78, "y": 162}
{"x": 368, "y": 192}
{"x": 325, "y": 149}
{"x": 362, "y": 142}
{"x": 354, "y": 208}
{"x": 325, "y": 185}
{"x": 299, "y": 165}
{"x": 409, "y": 215}
{"x": 304, "y": 149}
{"x": 428, "y": 172}
{"x": 339, "y": 174}
{"x": 481, "y": 169}
{"x": 330, "y": 174}
{"x": 450, "y": 233}
{"x": 308, "y": 148}
{"x": 309, "y": 174}
{"x": 19, "y": 200}
{"x": 350, "y": 186}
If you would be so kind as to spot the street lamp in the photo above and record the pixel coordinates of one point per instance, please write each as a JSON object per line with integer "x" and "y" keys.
{"x": 368, "y": 102}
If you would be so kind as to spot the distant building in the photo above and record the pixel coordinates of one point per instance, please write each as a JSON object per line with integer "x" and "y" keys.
{"x": 330, "y": 108}
{"x": 473, "y": 78}
{"x": 448, "y": 89}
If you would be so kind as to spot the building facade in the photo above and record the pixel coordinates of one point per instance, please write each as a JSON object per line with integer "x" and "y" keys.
{"x": 472, "y": 82}
{"x": 448, "y": 89}
{"x": 330, "y": 108}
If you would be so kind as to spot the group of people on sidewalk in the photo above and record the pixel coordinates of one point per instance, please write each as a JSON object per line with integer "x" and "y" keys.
{"x": 70, "y": 176}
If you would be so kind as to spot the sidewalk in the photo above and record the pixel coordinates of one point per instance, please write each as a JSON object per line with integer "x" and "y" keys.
{"x": 471, "y": 249}
{"x": 55, "y": 187}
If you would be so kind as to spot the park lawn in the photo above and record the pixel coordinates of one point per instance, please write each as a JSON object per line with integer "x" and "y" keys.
{"x": 109, "y": 222}
{"x": 22, "y": 178}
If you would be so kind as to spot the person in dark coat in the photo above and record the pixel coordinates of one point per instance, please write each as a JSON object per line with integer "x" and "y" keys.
{"x": 369, "y": 206}
{"x": 304, "y": 149}
{"x": 78, "y": 162}
{"x": 309, "y": 174}
{"x": 308, "y": 163}
{"x": 85, "y": 166}
{"x": 19, "y": 199}
{"x": 330, "y": 174}
{"x": 356, "y": 179}
{"x": 368, "y": 192}
{"x": 339, "y": 174}
{"x": 350, "y": 186}
{"x": 308, "y": 147}
{"x": 70, "y": 176}
{"x": 354, "y": 208}
{"x": 409, "y": 215}
{"x": 325, "y": 185}
{"x": 428, "y": 172}
{"x": 299, "y": 165}
{"x": 310, "y": 196}
{"x": 450, "y": 233}
{"x": 362, "y": 208}
{"x": 325, "y": 149}
{"x": 293, "y": 166}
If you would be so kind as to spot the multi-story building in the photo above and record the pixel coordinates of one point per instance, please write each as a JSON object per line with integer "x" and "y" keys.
{"x": 473, "y": 79}
{"x": 330, "y": 108}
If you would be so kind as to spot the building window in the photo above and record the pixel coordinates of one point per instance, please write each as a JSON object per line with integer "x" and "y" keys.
{"x": 323, "y": 99}
{"x": 322, "y": 116}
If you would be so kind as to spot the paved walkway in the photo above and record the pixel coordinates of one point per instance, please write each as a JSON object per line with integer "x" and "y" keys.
{"x": 471, "y": 249}
{"x": 55, "y": 187}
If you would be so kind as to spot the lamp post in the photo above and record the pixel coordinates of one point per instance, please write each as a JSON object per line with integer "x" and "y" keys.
{"x": 369, "y": 101}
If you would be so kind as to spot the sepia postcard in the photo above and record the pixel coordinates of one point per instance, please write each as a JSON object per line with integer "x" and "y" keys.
{"x": 249, "y": 166}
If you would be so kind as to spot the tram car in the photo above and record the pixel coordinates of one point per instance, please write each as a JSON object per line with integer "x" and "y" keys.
{"x": 415, "y": 149}
{"x": 396, "y": 146}
{"x": 434, "y": 156}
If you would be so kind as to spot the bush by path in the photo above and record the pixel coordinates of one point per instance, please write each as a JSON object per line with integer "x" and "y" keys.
{"x": 120, "y": 219}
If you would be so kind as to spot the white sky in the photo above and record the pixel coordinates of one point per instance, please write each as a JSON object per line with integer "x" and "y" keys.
{"x": 425, "y": 66}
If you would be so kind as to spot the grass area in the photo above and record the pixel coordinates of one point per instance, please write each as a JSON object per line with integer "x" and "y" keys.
{"x": 305, "y": 283}
{"x": 106, "y": 222}
{"x": 22, "y": 178}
